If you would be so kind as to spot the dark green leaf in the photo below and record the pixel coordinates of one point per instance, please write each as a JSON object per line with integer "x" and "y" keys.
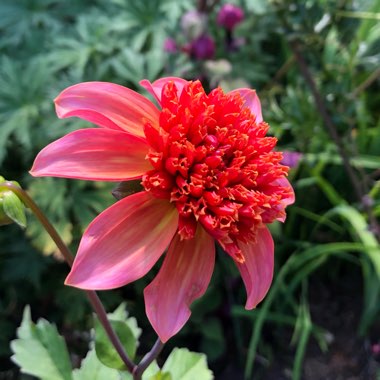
{"x": 106, "y": 352}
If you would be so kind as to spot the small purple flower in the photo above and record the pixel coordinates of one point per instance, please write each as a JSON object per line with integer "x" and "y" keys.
{"x": 229, "y": 16}
{"x": 170, "y": 45}
{"x": 202, "y": 48}
{"x": 291, "y": 159}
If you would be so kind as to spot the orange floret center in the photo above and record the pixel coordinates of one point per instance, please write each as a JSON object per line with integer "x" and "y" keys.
{"x": 215, "y": 163}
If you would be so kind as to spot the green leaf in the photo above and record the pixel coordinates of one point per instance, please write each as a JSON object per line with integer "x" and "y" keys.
{"x": 161, "y": 376}
{"x": 185, "y": 365}
{"x": 121, "y": 314}
{"x": 359, "y": 229}
{"x": 93, "y": 369}
{"x": 106, "y": 352}
{"x": 151, "y": 373}
{"x": 40, "y": 351}
{"x": 14, "y": 208}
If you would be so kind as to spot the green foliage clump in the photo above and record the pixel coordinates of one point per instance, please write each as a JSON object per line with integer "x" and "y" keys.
{"x": 315, "y": 65}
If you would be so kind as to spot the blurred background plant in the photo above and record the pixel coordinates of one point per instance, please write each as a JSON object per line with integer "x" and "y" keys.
{"x": 315, "y": 65}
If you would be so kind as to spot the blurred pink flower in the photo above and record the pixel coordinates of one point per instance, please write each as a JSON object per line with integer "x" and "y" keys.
{"x": 170, "y": 45}
{"x": 208, "y": 172}
{"x": 290, "y": 158}
{"x": 375, "y": 348}
{"x": 229, "y": 16}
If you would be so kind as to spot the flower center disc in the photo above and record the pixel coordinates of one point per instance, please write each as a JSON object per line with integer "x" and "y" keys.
{"x": 216, "y": 164}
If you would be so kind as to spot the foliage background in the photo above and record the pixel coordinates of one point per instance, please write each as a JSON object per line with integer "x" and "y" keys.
{"x": 315, "y": 65}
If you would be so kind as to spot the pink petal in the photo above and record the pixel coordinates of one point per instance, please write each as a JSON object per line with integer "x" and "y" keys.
{"x": 155, "y": 88}
{"x": 290, "y": 199}
{"x": 257, "y": 270}
{"x": 252, "y": 101}
{"x": 285, "y": 183}
{"x": 123, "y": 242}
{"x": 95, "y": 154}
{"x": 108, "y": 105}
{"x": 183, "y": 277}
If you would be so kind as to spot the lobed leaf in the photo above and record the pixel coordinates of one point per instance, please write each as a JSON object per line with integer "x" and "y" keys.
{"x": 40, "y": 351}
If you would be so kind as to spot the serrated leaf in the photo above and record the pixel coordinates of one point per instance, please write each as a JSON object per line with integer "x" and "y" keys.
{"x": 40, "y": 351}
{"x": 121, "y": 314}
{"x": 14, "y": 208}
{"x": 106, "y": 352}
{"x": 185, "y": 365}
{"x": 93, "y": 369}
{"x": 161, "y": 376}
{"x": 151, "y": 373}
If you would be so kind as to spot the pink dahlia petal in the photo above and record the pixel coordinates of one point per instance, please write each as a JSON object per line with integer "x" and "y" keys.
{"x": 257, "y": 270}
{"x": 123, "y": 242}
{"x": 183, "y": 277}
{"x": 155, "y": 88}
{"x": 290, "y": 199}
{"x": 252, "y": 101}
{"x": 107, "y": 105}
{"x": 95, "y": 154}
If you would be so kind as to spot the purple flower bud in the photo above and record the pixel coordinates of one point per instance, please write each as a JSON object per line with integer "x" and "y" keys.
{"x": 170, "y": 45}
{"x": 202, "y": 48}
{"x": 291, "y": 159}
{"x": 229, "y": 16}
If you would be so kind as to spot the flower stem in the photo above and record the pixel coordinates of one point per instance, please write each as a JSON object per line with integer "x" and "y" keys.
{"x": 28, "y": 201}
{"x": 102, "y": 315}
{"x": 92, "y": 296}
{"x": 147, "y": 360}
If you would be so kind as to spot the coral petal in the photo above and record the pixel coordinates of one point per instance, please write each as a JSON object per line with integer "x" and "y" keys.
{"x": 95, "y": 154}
{"x": 257, "y": 270}
{"x": 284, "y": 182}
{"x": 183, "y": 277}
{"x": 123, "y": 243}
{"x": 107, "y": 105}
{"x": 155, "y": 88}
{"x": 290, "y": 198}
{"x": 252, "y": 101}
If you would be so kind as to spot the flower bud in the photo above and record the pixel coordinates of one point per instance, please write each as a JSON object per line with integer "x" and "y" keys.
{"x": 4, "y": 218}
{"x": 12, "y": 210}
{"x": 229, "y": 16}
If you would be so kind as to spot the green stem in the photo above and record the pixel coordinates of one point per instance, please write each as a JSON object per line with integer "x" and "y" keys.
{"x": 92, "y": 296}
{"x": 28, "y": 201}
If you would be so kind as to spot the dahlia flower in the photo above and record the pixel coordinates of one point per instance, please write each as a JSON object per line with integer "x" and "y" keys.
{"x": 208, "y": 173}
